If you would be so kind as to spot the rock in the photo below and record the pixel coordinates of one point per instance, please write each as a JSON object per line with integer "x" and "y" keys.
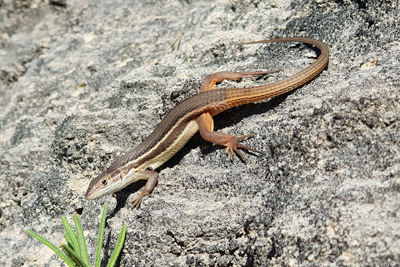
{"x": 84, "y": 82}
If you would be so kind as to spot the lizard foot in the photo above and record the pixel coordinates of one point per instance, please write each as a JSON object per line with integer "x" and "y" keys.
{"x": 233, "y": 146}
{"x": 135, "y": 203}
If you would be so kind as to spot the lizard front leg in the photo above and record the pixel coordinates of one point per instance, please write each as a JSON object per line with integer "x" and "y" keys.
{"x": 152, "y": 180}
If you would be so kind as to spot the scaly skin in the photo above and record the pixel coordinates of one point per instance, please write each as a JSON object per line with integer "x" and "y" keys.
{"x": 193, "y": 114}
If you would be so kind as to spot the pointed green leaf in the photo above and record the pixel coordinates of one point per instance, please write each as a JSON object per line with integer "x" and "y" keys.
{"x": 118, "y": 247}
{"x": 81, "y": 240}
{"x": 73, "y": 256}
{"x": 52, "y": 247}
{"x": 70, "y": 235}
{"x": 101, "y": 233}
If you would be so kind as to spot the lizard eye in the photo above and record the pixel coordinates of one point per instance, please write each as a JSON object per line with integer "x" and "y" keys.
{"x": 104, "y": 182}
{"x": 149, "y": 169}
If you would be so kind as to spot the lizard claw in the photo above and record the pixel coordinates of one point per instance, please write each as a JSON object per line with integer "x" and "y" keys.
{"x": 233, "y": 145}
{"x": 135, "y": 203}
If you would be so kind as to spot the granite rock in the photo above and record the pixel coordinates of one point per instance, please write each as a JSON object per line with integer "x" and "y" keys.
{"x": 84, "y": 81}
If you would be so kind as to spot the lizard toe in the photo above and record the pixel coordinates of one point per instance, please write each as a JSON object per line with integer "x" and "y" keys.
{"x": 233, "y": 146}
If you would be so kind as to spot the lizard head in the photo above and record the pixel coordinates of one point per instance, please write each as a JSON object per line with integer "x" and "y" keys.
{"x": 109, "y": 182}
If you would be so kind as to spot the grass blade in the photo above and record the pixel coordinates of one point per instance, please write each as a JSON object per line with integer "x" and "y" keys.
{"x": 118, "y": 247}
{"x": 101, "y": 233}
{"x": 70, "y": 235}
{"x": 73, "y": 256}
{"x": 52, "y": 247}
{"x": 81, "y": 240}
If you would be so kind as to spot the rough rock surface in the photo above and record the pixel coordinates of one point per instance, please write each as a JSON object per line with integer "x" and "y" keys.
{"x": 84, "y": 81}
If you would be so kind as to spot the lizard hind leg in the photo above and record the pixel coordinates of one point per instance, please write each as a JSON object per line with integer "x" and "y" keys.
{"x": 205, "y": 121}
{"x": 211, "y": 80}
{"x": 229, "y": 141}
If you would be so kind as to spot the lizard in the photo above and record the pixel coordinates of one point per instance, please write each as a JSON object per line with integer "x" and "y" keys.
{"x": 195, "y": 114}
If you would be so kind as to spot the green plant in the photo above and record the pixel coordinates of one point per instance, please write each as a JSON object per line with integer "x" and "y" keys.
{"x": 74, "y": 253}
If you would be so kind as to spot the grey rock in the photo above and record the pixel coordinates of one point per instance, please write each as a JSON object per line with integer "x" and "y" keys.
{"x": 84, "y": 81}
